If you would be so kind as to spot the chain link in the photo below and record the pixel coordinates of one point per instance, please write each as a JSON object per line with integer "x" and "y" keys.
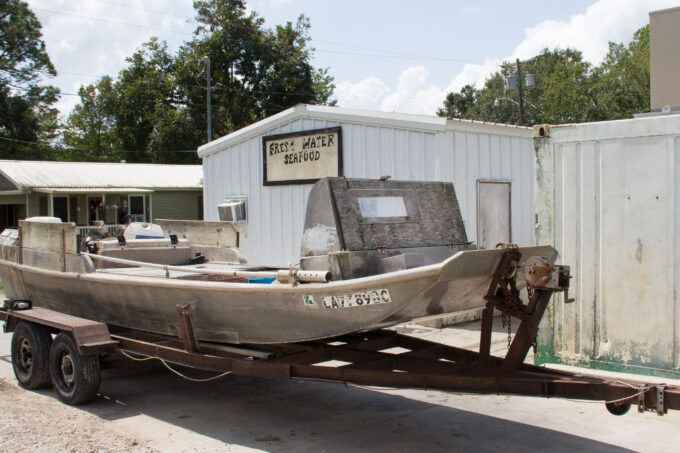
{"x": 506, "y": 319}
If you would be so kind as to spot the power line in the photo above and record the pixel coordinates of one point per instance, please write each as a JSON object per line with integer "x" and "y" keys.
{"x": 127, "y": 5}
{"x": 396, "y": 53}
{"x": 402, "y": 57}
{"x": 382, "y": 52}
{"x": 115, "y": 22}
{"x": 54, "y": 148}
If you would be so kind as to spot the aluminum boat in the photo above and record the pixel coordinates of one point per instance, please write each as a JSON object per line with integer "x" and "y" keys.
{"x": 374, "y": 253}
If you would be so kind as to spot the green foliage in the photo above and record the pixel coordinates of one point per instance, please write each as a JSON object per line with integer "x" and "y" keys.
{"x": 89, "y": 131}
{"x": 27, "y": 118}
{"x": 158, "y": 102}
{"x": 567, "y": 90}
{"x": 622, "y": 80}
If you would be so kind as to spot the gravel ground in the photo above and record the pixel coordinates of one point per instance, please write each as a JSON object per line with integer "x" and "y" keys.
{"x": 31, "y": 422}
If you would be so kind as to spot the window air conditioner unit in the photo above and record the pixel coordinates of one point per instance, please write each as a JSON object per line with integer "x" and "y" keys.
{"x": 233, "y": 211}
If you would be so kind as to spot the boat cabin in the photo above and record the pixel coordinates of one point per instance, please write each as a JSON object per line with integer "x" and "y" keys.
{"x": 359, "y": 227}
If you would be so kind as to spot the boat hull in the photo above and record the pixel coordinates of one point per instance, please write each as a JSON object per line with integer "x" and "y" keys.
{"x": 263, "y": 313}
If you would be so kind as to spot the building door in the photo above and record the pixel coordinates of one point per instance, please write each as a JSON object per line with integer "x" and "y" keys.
{"x": 60, "y": 208}
{"x": 493, "y": 213}
{"x": 96, "y": 209}
{"x": 8, "y": 216}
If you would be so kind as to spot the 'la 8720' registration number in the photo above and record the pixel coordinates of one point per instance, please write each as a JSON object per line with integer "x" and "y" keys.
{"x": 373, "y": 297}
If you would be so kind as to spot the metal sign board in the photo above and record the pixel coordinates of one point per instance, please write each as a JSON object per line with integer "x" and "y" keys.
{"x": 302, "y": 157}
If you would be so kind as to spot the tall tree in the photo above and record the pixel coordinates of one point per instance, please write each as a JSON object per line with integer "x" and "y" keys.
{"x": 152, "y": 117}
{"x": 622, "y": 80}
{"x": 256, "y": 71}
{"x": 568, "y": 89}
{"x": 89, "y": 131}
{"x": 27, "y": 117}
{"x": 161, "y": 98}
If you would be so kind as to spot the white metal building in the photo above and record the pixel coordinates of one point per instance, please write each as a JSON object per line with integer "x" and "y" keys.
{"x": 608, "y": 198}
{"x": 490, "y": 165}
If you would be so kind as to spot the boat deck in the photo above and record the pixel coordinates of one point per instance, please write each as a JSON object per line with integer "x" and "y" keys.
{"x": 210, "y": 268}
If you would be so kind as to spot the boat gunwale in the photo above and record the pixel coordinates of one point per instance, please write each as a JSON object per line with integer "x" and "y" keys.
{"x": 433, "y": 270}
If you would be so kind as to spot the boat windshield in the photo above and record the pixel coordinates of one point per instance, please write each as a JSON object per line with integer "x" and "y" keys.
{"x": 372, "y": 207}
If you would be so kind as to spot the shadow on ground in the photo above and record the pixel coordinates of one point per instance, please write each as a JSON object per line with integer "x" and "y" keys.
{"x": 296, "y": 416}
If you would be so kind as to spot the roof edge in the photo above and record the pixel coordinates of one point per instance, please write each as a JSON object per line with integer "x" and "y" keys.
{"x": 340, "y": 114}
{"x": 459, "y": 124}
{"x": 615, "y": 129}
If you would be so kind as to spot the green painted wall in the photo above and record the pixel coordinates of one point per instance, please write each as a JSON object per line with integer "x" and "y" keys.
{"x": 176, "y": 205}
{"x": 13, "y": 199}
{"x": 180, "y": 205}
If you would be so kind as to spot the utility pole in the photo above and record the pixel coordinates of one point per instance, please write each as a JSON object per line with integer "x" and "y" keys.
{"x": 519, "y": 87}
{"x": 208, "y": 90}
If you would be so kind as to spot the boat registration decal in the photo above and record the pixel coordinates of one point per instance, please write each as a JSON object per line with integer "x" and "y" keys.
{"x": 373, "y": 297}
{"x": 308, "y": 299}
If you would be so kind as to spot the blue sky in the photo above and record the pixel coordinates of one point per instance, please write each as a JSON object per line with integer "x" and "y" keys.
{"x": 385, "y": 55}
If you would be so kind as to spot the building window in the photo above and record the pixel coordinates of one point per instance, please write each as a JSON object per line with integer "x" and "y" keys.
{"x": 8, "y": 216}
{"x": 43, "y": 206}
{"x": 199, "y": 204}
{"x": 74, "y": 207}
{"x": 137, "y": 208}
{"x": 60, "y": 208}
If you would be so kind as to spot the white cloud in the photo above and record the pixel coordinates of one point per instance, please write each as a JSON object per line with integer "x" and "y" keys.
{"x": 590, "y": 32}
{"x": 474, "y": 74}
{"x": 414, "y": 94}
{"x": 88, "y": 38}
{"x": 367, "y": 94}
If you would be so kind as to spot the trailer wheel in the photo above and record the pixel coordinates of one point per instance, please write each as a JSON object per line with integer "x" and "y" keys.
{"x": 617, "y": 409}
{"x": 75, "y": 377}
{"x": 30, "y": 355}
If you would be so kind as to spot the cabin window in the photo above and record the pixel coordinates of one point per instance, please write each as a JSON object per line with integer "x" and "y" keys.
{"x": 386, "y": 205}
{"x": 382, "y": 207}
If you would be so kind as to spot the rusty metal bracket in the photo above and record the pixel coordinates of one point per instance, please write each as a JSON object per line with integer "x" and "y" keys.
{"x": 657, "y": 393}
{"x": 502, "y": 294}
{"x": 186, "y": 325}
{"x": 543, "y": 279}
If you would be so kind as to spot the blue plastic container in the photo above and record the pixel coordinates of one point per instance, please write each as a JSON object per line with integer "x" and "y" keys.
{"x": 265, "y": 281}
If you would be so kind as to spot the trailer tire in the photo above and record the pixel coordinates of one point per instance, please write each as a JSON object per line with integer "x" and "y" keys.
{"x": 618, "y": 409}
{"x": 30, "y": 355}
{"x": 75, "y": 377}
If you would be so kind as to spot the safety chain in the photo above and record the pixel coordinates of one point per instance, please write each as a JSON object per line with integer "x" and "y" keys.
{"x": 506, "y": 319}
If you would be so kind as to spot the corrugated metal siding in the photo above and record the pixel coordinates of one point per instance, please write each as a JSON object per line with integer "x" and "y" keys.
{"x": 175, "y": 205}
{"x": 276, "y": 213}
{"x": 612, "y": 209}
{"x": 35, "y": 174}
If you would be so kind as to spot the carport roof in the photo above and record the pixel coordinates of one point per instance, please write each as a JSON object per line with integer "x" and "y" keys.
{"x": 98, "y": 176}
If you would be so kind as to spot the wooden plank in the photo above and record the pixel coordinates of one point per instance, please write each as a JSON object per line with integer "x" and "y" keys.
{"x": 90, "y": 336}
